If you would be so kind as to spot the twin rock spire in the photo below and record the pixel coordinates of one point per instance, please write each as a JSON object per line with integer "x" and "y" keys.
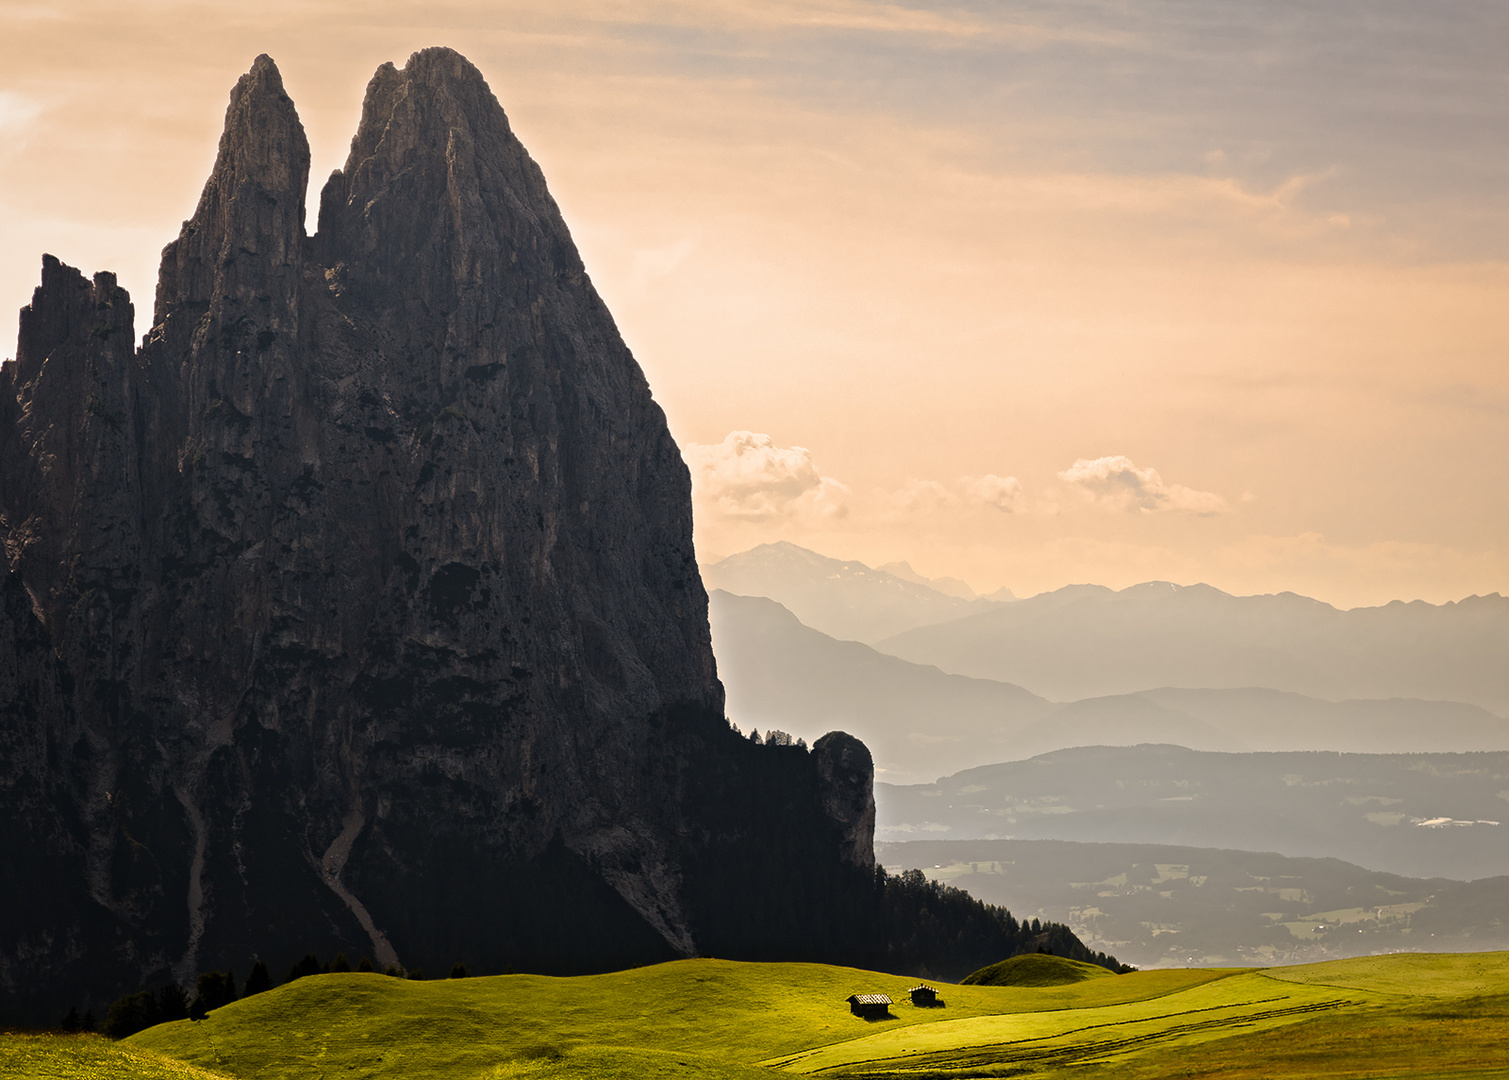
{"x": 372, "y": 567}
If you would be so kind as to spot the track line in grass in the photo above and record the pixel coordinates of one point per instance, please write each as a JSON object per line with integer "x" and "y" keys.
{"x": 1020, "y": 996}
{"x": 1017, "y": 1053}
{"x": 1410, "y": 975}
{"x": 1020, "y": 1028}
{"x": 778, "y": 1063}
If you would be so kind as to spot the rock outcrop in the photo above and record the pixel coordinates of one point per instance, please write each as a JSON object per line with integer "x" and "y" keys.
{"x": 847, "y": 773}
{"x": 358, "y": 608}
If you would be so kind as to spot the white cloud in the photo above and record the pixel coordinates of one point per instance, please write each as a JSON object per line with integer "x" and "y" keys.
{"x": 749, "y": 478}
{"x": 1117, "y": 481}
{"x": 930, "y": 497}
{"x": 968, "y": 497}
{"x": 1003, "y": 493}
{"x": 920, "y": 497}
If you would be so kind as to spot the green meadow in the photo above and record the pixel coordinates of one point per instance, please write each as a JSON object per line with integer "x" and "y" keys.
{"x": 89, "y": 1057}
{"x": 1411, "y": 1015}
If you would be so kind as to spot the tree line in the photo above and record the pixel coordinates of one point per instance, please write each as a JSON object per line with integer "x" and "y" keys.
{"x": 142, "y": 1009}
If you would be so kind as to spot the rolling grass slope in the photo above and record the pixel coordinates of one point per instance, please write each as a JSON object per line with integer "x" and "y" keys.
{"x": 88, "y": 1057}
{"x": 1243, "y": 1001}
{"x": 1414, "y": 1016}
{"x": 1418, "y": 1016}
{"x": 711, "y": 1009}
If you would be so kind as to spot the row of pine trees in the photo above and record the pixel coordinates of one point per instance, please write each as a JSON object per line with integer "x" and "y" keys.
{"x": 138, "y": 1011}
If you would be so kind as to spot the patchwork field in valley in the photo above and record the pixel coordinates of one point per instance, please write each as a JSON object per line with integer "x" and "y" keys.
{"x": 1160, "y": 905}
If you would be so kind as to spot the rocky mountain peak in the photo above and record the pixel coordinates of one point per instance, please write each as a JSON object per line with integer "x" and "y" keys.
{"x": 438, "y": 195}
{"x": 246, "y": 238}
{"x": 358, "y": 609}
{"x": 68, "y": 399}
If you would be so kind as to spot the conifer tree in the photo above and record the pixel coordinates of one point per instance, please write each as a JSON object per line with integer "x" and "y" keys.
{"x": 131, "y": 1013}
{"x": 216, "y": 988}
{"x": 172, "y": 1004}
{"x": 258, "y": 981}
{"x": 310, "y": 965}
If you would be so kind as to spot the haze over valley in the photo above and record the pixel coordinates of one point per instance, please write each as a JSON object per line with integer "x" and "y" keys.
{"x": 1085, "y": 665}
{"x": 1163, "y": 905}
{"x": 1153, "y": 725}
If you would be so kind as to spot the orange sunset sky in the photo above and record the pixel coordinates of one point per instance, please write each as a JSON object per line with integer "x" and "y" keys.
{"x": 1027, "y": 293}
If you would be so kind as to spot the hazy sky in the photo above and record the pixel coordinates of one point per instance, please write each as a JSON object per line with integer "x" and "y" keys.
{"x": 1027, "y": 293}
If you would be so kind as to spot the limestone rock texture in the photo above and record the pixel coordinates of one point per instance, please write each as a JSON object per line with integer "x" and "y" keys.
{"x": 847, "y": 772}
{"x": 358, "y": 608}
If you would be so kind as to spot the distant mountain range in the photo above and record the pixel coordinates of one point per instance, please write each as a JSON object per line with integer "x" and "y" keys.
{"x": 845, "y": 599}
{"x": 1418, "y": 815}
{"x": 1306, "y": 735}
{"x": 1087, "y": 641}
{"x": 921, "y": 722}
{"x": 949, "y": 586}
{"x": 918, "y": 722}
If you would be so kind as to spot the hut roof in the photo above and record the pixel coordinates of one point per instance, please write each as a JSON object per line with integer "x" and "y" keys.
{"x": 923, "y": 987}
{"x": 870, "y": 999}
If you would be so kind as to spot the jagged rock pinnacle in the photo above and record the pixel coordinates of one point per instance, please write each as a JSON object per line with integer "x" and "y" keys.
{"x": 437, "y": 183}
{"x": 359, "y": 609}
{"x": 246, "y": 237}
{"x": 67, "y": 496}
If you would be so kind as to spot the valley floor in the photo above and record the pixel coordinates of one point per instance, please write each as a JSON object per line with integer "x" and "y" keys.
{"x": 1159, "y": 905}
{"x": 1397, "y": 1016}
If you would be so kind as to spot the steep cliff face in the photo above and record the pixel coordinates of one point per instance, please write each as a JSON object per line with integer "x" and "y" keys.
{"x": 847, "y": 775}
{"x": 358, "y": 608}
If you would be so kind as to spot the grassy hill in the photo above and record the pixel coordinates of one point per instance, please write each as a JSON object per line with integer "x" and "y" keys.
{"x": 1417, "y": 1015}
{"x": 1035, "y": 969}
{"x": 710, "y": 1014}
{"x": 40, "y": 1056}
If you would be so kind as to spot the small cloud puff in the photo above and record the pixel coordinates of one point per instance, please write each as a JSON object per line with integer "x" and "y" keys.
{"x": 749, "y": 478}
{"x": 1117, "y": 481}
{"x": 920, "y": 497}
{"x": 1003, "y": 493}
{"x": 989, "y": 492}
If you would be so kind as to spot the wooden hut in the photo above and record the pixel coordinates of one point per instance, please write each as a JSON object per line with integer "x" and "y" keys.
{"x": 924, "y": 996}
{"x": 870, "y": 1006}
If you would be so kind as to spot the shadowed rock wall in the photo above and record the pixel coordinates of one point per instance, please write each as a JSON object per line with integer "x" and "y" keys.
{"x": 358, "y": 608}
